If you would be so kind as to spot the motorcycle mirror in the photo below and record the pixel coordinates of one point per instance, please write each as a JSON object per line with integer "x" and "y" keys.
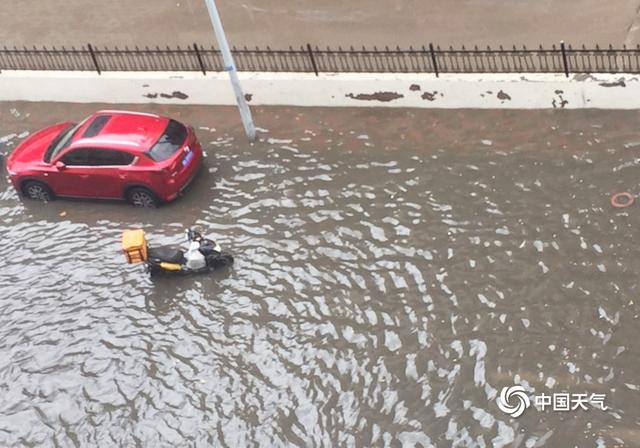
{"x": 60, "y": 166}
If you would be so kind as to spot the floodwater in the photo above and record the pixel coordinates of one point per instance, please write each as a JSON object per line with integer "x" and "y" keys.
{"x": 394, "y": 271}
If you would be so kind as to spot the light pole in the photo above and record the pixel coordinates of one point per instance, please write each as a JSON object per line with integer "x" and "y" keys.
{"x": 230, "y": 66}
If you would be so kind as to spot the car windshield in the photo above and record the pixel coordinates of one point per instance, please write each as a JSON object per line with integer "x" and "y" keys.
{"x": 61, "y": 141}
{"x": 170, "y": 141}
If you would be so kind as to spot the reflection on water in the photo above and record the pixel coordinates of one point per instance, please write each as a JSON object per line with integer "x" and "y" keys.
{"x": 386, "y": 287}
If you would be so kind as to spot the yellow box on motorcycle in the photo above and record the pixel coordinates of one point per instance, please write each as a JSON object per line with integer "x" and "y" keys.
{"x": 134, "y": 246}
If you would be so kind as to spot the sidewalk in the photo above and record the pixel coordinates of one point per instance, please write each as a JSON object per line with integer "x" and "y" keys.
{"x": 449, "y": 91}
{"x": 280, "y": 23}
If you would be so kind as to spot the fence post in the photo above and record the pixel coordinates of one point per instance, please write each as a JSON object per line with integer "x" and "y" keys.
{"x": 313, "y": 61}
{"x": 195, "y": 47}
{"x": 564, "y": 59}
{"x": 433, "y": 59}
{"x": 93, "y": 58}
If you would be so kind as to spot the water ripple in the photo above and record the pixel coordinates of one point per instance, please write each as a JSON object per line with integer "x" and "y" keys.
{"x": 379, "y": 298}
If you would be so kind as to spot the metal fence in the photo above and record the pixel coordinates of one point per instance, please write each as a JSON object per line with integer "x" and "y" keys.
{"x": 308, "y": 59}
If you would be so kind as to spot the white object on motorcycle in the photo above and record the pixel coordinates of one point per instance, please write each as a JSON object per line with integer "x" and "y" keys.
{"x": 195, "y": 259}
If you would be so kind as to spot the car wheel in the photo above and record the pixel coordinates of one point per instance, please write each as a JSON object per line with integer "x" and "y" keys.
{"x": 143, "y": 198}
{"x": 37, "y": 191}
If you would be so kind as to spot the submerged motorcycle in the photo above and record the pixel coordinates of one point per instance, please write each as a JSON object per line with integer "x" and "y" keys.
{"x": 203, "y": 254}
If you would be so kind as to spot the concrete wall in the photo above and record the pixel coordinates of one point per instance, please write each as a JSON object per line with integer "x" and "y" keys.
{"x": 525, "y": 91}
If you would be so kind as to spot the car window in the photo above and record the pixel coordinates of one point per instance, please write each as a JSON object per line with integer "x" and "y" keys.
{"x": 61, "y": 141}
{"x": 171, "y": 140}
{"x": 97, "y": 157}
{"x": 109, "y": 157}
{"x": 76, "y": 157}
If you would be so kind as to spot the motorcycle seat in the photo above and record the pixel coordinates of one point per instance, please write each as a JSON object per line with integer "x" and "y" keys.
{"x": 168, "y": 254}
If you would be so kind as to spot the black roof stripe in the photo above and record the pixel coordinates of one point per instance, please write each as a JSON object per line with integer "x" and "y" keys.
{"x": 96, "y": 126}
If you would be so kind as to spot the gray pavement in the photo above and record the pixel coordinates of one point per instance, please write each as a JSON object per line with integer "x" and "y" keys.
{"x": 280, "y": 23}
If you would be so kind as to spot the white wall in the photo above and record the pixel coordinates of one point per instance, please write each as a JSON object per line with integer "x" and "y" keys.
{"x": 522, "y": 91}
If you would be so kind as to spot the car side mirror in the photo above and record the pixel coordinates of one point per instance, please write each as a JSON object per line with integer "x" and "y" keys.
{"x": 61, "y": 166}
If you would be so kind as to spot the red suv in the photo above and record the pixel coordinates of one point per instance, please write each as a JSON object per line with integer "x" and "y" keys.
{"x": 143, "y": 158}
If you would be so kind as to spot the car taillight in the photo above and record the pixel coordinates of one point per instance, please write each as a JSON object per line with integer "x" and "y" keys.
{"x": 172, "y": 168}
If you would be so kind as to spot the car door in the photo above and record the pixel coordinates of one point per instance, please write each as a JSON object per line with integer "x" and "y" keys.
{"x": 110, "y": 171}
{"x": 72, "y": 177}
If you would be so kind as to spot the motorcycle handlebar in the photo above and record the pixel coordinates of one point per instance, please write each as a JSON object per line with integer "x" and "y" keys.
{"x": 193, "y": 235}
